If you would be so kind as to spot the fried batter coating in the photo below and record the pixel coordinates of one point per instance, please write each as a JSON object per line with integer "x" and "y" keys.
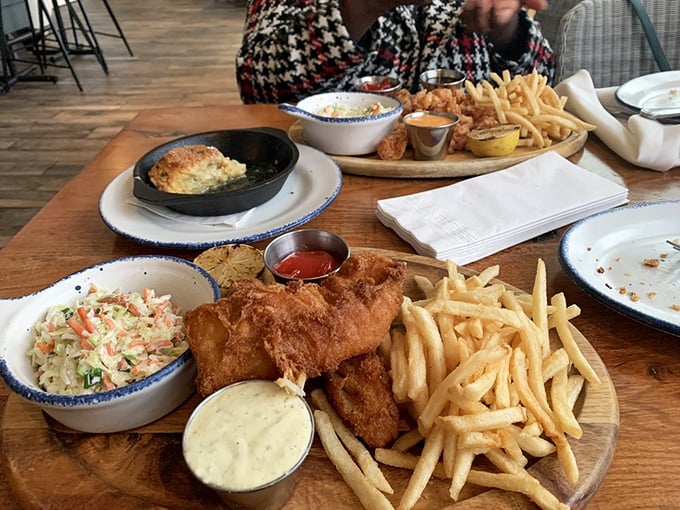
{"x": 361, "y": 392}
{"x": 394, "y": 145}
{"x": 267, "y": 331}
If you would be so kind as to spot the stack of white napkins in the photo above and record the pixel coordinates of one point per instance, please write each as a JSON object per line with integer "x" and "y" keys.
{"x": 644, "y": 142}
{"x": 477, "y": 217}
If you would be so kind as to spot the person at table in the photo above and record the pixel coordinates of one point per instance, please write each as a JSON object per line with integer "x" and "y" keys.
{"x": 294, "y": 48}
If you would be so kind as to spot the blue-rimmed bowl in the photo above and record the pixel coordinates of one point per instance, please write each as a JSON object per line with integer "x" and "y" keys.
{"x": 126, "y": 407}
{"x": 345, "y": 135}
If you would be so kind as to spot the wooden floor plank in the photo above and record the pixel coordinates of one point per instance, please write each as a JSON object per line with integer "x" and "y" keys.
{"x": 184, "y": 53}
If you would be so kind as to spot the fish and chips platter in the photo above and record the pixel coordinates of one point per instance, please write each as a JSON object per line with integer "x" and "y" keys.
{"x": 144, "y": 467}
{"x": 527, "y": 103}
{"x": 458, "y": 164}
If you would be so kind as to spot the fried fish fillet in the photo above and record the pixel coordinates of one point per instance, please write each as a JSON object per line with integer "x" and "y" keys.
{"x": 361, "y": 392}
{"x": 269, "y": 331}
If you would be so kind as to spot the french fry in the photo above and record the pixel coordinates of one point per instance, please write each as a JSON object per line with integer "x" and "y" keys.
{"x": 567, "y": 339}
{"x": 394, "y": 458}
{"x": 519, "y": 482}
{"x": 434, "y": 443}
{"x": 475, "y": 365}
{"x": 489, "y": 420}
{"x": 417, "y": 363}
{"x": 439, "y": 397}
{"x": 399, "y": 366}
{"x": 476, "y": 310}
{"x": 559, "y": 396}
{"x": 556, "y": 361}
{"x": 433, "y": 345}
{"x": 532, "y": 104}
{"x": 461, "y": 471}
{"x": 363, "y": 457}
{"x": 574, "y": 387}
{"x": 370, "y": 497}
{"x": 407, "y": 440}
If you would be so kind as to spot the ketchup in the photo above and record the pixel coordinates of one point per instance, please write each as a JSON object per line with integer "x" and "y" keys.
{"x": 307, "y": 264}
{"x": 382, "y": 85}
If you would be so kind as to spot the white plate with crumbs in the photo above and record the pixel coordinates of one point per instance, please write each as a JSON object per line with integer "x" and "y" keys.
{"x": 311, "y": 187}
{"x": 621, "y": 258}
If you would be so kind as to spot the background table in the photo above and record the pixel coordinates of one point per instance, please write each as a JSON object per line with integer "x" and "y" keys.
{"x": 68, "y": 234}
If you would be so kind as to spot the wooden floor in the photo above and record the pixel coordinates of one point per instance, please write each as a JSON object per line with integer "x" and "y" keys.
{"x": 184, "y": 53}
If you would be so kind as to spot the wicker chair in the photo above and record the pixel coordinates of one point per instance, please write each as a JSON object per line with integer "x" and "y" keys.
{"x": 605, "y": 38}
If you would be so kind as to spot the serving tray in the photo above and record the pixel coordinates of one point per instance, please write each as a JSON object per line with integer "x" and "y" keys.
{"x": 49, "y": 466}
{"x": 459, "y": 164}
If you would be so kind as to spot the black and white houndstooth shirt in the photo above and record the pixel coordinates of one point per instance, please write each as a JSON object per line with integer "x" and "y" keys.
{"x": 295, "y": 48}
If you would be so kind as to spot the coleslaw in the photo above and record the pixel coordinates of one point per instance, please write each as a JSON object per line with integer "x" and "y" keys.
{"x": 345, "y": 110}
{"x": 106, "y": 340}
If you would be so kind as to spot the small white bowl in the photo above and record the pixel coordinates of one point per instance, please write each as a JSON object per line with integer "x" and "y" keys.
{"x": 126, "y": 407}
{"x": 345, "y": 136}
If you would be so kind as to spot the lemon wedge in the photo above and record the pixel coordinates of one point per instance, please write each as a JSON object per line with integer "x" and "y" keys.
{"x": 496, "y": 141}
{"x": 230, "y": 262}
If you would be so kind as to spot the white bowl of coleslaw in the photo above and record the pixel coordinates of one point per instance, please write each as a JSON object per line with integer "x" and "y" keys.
{"x": 103, "y": 349}
{"x": 346, "y": 123}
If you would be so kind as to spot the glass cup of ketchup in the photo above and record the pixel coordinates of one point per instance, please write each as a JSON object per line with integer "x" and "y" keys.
{"x": 310, "y": 255}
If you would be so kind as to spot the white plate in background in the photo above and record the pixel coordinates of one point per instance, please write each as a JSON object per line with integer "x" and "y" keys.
{"x": 662, "y": 88}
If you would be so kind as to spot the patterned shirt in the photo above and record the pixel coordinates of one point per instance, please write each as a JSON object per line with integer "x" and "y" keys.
{"x": 294, "y": 48}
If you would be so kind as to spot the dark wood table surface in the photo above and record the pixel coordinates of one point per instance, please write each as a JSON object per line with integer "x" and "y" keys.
{"x": 68, "y": 234}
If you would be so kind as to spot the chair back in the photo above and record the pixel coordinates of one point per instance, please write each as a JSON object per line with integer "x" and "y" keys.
{"x": 605, "y": 37}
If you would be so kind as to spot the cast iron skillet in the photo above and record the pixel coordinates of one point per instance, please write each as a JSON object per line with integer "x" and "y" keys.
{"x": 269, "y": 156}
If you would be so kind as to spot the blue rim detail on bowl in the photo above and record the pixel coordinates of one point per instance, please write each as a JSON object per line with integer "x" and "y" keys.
{"x": 66, "y": 401}
{"x": 350, "y": 120}
{"x": 571, "y": 271}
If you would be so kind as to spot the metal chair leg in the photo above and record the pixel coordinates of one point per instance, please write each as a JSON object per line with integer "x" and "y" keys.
{"x": 44, "y": 13}
{"x": 91, "y": 45}
{"x": 121, "y": 35}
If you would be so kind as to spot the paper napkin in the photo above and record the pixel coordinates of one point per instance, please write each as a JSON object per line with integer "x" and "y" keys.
{"x": 227, "y": 220}
{"x": 643, "y": 142}
{"x": 477, "y": 217}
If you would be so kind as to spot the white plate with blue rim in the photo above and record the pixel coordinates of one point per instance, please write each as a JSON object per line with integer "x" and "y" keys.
{"x": 653, "y": 91}
{"x": 310, "y": 188}
{"x": 622, "y": 259}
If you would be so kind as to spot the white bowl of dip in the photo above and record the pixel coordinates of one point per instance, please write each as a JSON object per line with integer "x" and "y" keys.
{"x": 247, "y": 440}
{"x": 346, "y": 123}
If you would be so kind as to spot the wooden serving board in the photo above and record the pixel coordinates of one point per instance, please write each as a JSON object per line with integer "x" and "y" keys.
{"x": 459, "y": 164}
{"x": 51, "y": 467}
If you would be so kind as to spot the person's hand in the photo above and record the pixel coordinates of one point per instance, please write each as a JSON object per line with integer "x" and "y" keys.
{"x": 497, "y": 18}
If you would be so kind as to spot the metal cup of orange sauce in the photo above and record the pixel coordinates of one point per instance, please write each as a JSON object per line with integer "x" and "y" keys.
{"x": 429, "y": 133}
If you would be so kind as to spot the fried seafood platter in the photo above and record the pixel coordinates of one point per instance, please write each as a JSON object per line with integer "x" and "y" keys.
{"x": 372, "y": 387}
{"x": 524, "y": 101}
{"x": 429, "y": 384}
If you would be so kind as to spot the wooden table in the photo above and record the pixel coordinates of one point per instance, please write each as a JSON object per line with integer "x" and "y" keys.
{"x": 67, "y": 234}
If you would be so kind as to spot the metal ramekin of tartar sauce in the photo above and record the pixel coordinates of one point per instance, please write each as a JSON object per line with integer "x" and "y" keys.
{"x": 246, "y": 442}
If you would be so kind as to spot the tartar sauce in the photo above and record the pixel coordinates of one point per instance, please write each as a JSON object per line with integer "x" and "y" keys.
{"x": 247, "y": 435}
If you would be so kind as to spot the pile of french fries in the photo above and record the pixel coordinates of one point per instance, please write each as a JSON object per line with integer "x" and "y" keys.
{"x": 528, "y": 101}
{"x": 475, "y": 366}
